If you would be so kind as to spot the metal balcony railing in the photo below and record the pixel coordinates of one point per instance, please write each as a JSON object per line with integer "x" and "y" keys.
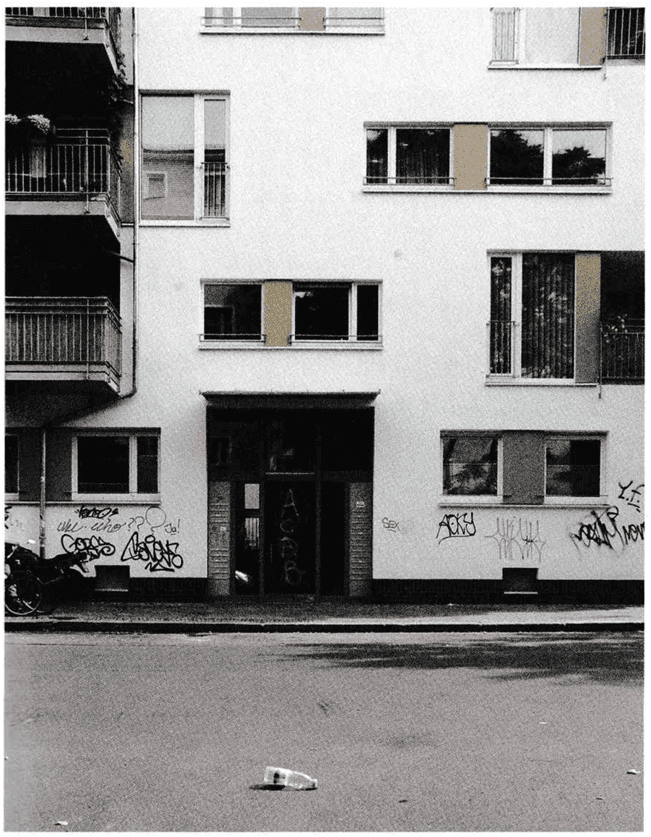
{"x": 56, "y": 331}
{"x": 626, "y": 33}
{"x": 622, "y": 352}
{"x": 340, "y": 19}
{"x": 214, "y": 190}
{"x": 109, "y": 14}
{"x": 75, "y": 162}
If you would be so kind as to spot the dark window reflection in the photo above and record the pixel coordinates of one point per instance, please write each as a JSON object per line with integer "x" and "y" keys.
{"x": 573, "y": 467}
{"x": 376, "y": 155}
{"x": 422, "y": 155}
{"x": 291, "y": 445}
{"x": 470, "y": 465}
{"x": 578, "y": 157}
{"x": 321, "y": 312}
{"x": 232, "y": 312}
{"x": 367, "y": 312}
{"x": 347, "y": 441}
{"x": 517, "y": 157}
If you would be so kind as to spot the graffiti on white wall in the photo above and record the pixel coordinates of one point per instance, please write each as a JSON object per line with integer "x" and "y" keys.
{"x": 91, "y": 529}
{"x": 456, "y": 525}
{"x": 518, "y": 540}
{"x": 616, "y": 527}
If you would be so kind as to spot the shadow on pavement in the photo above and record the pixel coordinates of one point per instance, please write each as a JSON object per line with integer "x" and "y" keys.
{"x": 604, "y": 659}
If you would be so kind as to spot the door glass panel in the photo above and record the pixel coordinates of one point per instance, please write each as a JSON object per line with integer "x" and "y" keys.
{"x": 247, "y": 549}
{"x": 290, "y": 537}
{"x": 347, "y": 440}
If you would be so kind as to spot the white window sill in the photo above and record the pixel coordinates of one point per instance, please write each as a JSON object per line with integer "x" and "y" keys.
{"x": 512, "y": 65}
{"x": 452, "y": 500}
{"x": 574, "y": 502}
{"x": 496, "y": 503}
{"x": 322, "y": 345}
{"x": 283, "y": 30}
{"x": 12, "y": 498}
{"x": 203, "y": 222}
{"x": 409, "y": 187}
{"x": 535, "y": 382}
{"x": 116, "y": 499}
{"x": 549, "y": 190}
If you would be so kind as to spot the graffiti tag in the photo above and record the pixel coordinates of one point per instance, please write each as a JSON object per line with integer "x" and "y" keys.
{"x": 631, "y": 496}
{"x": 391, "y": 525}
{"x": 456, "y": 525}
{"x": 158, "y": 556}
{"x": 94, "y": 546}
{"x": 518, "y": 539}
{"x": 98, "y": 512}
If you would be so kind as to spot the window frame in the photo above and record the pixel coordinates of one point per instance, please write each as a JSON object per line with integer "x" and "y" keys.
{"x": 198, "y": 161}
{"x": 569, "y": 499}
{"x": 232, "y": 342}
{"x": 514, "y": 377}
{"x": 352, "y": 338}
{"x": 235, "y": 27}
{"x": 391, "y": 184}
{"x": 472, "y": 499}
{"x": 547, "y": 184}
{"x": 122, "y": 497}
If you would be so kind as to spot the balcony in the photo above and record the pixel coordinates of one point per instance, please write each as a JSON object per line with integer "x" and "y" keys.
{"x": 75, "y": 172}
{"x": 622, "y": 353}
{"x": 63, "y": 339}
{"x": 78, "y": 27}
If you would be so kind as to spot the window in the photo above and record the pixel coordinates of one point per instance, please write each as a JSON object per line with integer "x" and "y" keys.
{"x": 532, "y": 315}
{"x": 336, "y": 312}
{"x": 470, "y": 465}
{"x": 408, "y": 155}
{"x": 546, "y": 156}
{"x": 559, "y": 36}
{"x": 626, "y": 33}
{"x": 184, "y": 157}
{"x": 573, "y": 467}
{"x": 232, "y": 312}
{"x": 348, "y": 20}
{"x": 11, "y": 464}
{"x": 124, "y": 464}
{"x": 521, "y": 467}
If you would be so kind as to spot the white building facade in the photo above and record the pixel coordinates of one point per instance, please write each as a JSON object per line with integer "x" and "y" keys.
{"x": 389, "y": 301}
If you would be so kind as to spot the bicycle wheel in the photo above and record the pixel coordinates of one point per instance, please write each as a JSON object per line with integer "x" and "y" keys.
{"x": 23, "y": 594}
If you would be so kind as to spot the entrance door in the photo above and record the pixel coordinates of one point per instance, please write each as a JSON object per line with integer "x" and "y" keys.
{"x": 290, "y": 537}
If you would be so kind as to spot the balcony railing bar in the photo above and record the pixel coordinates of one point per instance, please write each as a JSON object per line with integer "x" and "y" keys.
{"x": 215, "y": 338}
{"x": 409, "y": 181}
{"x": 109, "y": 14}
{"x": 622, "y": 353}
{"x": 63, "y": 330}
{"x": 598, "y": 180}
{"x": 626, "y": 33}
{"x": 214, "y": 182}
{"x": 293, "y": 22}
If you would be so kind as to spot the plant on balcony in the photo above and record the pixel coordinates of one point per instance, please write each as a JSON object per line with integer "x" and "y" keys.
{"x": 35, "y": 121}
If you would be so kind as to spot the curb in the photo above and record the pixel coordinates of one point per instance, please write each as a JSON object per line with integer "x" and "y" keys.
{"x": 64, "y": 625}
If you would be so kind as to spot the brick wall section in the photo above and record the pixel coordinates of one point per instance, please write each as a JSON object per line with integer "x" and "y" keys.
{"x": 219, "y": 538}
{"x": 361, "y": 539}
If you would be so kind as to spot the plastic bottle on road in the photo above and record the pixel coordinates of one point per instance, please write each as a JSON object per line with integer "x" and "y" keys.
{"x": 281, "y": 776}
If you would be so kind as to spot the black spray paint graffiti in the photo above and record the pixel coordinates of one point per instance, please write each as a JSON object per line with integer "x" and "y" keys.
{"x": 518, "y": 539}
{"x": 158, "y": 556}
{"x": 98, "y": 512}
{"x": 391, "y": 525}
{"x": 456, "y": 525}
{"x": 632, "y": 495}
{"x": 94, "y": 547}
{"x": 604, "y": 529}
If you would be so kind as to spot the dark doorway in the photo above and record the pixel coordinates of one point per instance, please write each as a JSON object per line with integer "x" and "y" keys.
{"x": 333, "y": 538}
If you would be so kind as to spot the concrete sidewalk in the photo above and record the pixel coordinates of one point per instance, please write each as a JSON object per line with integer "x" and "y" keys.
{"x": 325, "y": 616}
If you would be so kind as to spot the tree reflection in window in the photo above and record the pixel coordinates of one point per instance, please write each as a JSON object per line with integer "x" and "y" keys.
{"x": 470, "y": 465}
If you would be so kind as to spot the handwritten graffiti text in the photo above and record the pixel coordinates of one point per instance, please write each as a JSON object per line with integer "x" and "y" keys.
{"x": 158, "y": 556}
{"x": 518, "y": 539}
{"x": 605, "y": 529}
{"x": 456, "y": 525}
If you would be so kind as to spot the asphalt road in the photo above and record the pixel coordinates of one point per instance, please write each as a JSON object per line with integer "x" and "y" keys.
{"x": 408, "y": 732}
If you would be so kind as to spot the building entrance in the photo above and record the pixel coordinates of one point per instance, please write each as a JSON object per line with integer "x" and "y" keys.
{"x": 290, "y": 501}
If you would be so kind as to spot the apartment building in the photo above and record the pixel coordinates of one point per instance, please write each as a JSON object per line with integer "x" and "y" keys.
{"x": 365, "y": 318}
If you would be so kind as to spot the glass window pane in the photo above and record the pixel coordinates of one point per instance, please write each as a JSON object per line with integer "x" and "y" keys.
{"x": 578, "y": 156}
{"x": 215, "y": 158}
{"x": 501, "y": 333}
{"x": 103, "y": 465}
{"x": 376, "y": 155}
{"x": 147, "y": 453}
{"x": 11, "y": 464}
{"x": 233, "y": 312}
{"x": 367, "y": 312}
{"x": 548, "y": 315}
{"x": 347, "y": 440}
{"x": 268, "y": 16}
{"x": 516, "y": 157}
{"x": 422, "y": 155}
{"x": 573, "y": 468}
{"x": 291, "y": 445}
{"x": 321, "y": 312}
{"x": 168, "y": 149}
{"x": 551, "y": 35}
{"x": 470, "y": 465}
